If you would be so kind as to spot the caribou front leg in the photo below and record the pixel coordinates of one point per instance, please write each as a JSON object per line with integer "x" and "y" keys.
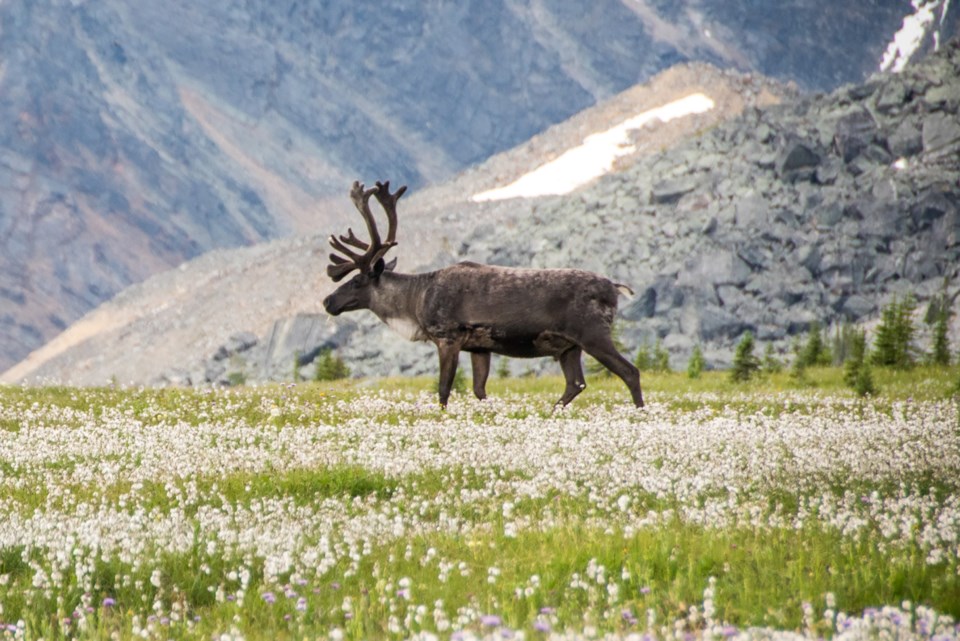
{"x": 573, "y": 371}
{"x": 449, "y": 356}
{"x": 481, "y": 371}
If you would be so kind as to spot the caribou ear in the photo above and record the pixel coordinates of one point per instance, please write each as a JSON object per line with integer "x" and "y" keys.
{"x": 378, "y": 268}
{"x": 391, "y": 265}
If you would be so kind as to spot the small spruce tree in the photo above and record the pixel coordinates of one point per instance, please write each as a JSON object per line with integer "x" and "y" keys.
{"x": 940, "y": 355}
{"x": 798, "y": 368}
{"x": 644, "y": 360}
{"x": 842, "y": 342}
{"x": 771, "y": 364}
{"x": 856, "y": 369}
{"x": 745, "y": 362}
{"x": 696, "y": 364}
{"x": 661, "y": 358}
{"x": 815, "y": 352}
{"x": 503, "y": 367}
{"x": 329, "y": 367}
{"x": 893, "y": 346}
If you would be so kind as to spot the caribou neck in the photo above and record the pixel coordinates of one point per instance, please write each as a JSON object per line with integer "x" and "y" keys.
{"x": 396, "y": 301}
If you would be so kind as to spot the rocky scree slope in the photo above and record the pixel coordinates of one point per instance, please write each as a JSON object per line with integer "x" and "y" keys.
{"x": 820, "y": 210}
{"x": 249, "y": 312}
{"x": 144, "y": 134}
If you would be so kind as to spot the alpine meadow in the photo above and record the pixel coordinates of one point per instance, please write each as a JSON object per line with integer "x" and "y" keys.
{"x": 775, "y": 509}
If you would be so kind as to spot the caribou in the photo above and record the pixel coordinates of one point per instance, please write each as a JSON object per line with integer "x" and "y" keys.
{"x": 480, "y": 309}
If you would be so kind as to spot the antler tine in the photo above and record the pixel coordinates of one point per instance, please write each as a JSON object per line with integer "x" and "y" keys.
{"x": 346, "y": 251}
{"x": 348, "y": 259}
{"x": 353, "y": 240}
{"x": 389, "y": 203}
{"x": 361, "y": 199}
{"x": 337, "y": 271}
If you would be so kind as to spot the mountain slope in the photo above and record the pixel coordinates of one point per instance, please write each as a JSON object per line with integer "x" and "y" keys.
{"x": 144, "y": 134}
{"x": 818, "y": 209}
{"x": 174, "y": 323}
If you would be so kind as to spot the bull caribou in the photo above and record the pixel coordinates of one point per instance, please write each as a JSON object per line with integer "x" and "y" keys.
{"x": 481, "y": 309}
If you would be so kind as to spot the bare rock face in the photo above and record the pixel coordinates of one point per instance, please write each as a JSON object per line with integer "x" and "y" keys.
{"x": 745, "y": 234}
{"x": 861, "y": 202}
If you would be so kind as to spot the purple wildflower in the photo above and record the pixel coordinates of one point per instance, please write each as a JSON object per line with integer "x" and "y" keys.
{"x": 541, "y": 626}
{"x": 109, "y": 602}
{"x": 491, "y": 620}
{"x": 269, "y": 597}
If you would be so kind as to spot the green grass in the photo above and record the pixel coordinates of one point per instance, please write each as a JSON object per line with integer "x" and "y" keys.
{"x": 547, "y": 572}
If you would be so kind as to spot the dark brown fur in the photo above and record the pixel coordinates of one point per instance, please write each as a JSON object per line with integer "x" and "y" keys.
{"x": 484, "y": 310}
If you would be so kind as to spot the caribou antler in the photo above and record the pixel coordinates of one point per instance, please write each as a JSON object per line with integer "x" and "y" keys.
{"x": 341, "y": 265}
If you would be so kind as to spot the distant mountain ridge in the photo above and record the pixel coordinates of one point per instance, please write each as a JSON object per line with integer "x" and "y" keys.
{"x": 818, "y": 209}
{"x": 145, "y": 134}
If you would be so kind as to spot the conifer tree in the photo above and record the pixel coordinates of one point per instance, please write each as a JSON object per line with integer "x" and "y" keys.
{"x": 771, "y": 364}
{"x": 893, "y": 346}
{"x": 661, "y": 358}
{"x": 503, "y": 367}
{"x": 941, "y": 342}
{"x": 815, "y": 351}
{"x": 696, "y": 364}
{"x": 856, "y": 369}
{"x": 644, "y": 360}
{"x": 745, "y": 362}
{"x": 329, "y": 367}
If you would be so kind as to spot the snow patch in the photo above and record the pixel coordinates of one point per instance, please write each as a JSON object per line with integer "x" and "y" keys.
{"x": 595, "y": 157}
{"x": 907, "y": 40}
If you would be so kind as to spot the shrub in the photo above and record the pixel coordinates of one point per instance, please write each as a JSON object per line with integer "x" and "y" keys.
{"x": 815, "y": 352}
{"x": 856, "y": 372}
{"x": 696, "y": 364}
{"x": 940, "y": 354}
{"x": 842, "y": 343}
{"x": 661, "y": 358}
{"x": 745, "y": 362}
{"x": 503, "y": 367}
{"x": 656, "y": 361}
{"x": 330, "y": 367}
{"x": 771, "y": 364}
{"x": 644, "y": 360}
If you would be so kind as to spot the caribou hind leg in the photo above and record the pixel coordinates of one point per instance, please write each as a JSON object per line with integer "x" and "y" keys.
{"x": 601, "y": 347}
{"x": 481, "y": 370}
{"x": 572, "y": 368}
